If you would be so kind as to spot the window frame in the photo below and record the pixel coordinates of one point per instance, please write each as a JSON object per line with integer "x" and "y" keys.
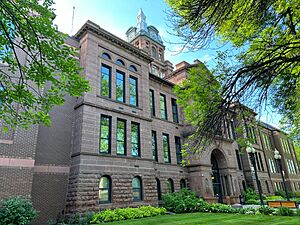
{"x": 154, "y": 145}
{"x": 109, "y": 81}
{"x": 123, "y": 86}
{"x": 140, "y": 189}
{"x": 166, "y": 151}
{"x": 171, "y": 183}
{"x": 109, "y": 134}
{"x": 152, "y": 102}
{"x": 109, "y": 190}
{"x": 178, "y": 150}
{"x": 175, "y": 114}
{"x": 138, "y": 140}
{"x": 125, "y": 137}
{"x": 162, "y": 98}
{"x": 136, "y": 91}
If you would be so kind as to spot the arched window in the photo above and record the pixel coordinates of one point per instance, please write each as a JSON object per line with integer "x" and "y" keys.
{"x": 132, "y": 68}
{"x": 120, "y": 62}
{"x": 105, "y": 189}
{"x": 170, "y": 185}
{"x": 182, "y": 184}
{"x": 137, "y": 189}
{"x": 154, "y": 52}
{"x": 105, "y": 56}
{"x": 158, "y": 188}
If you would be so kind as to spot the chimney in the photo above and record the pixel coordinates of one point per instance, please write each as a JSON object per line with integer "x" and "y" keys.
{"x": 181, "y": 65}
{"x": 196, "y": 61}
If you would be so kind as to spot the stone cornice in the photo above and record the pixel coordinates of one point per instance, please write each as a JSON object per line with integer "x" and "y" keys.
{"x": 89, "y": 26}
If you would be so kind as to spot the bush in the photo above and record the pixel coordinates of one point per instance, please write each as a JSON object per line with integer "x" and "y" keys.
{"x": 76, "y": 219}
{"x": 283, "y": 211}
{"x": 282, "y": 194}
{"x": 109, "y": 215}
{"x": 17, "y": 210}
{"x": 276, "y": 197}
{"x": 250, "y": 194}
{"x": 183, "y": 201}
{"x": 222, "y": 208}
{"x": 266, "y": 210}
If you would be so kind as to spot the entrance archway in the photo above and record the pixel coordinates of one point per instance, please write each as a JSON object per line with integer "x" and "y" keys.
{"x": 218, "y": 164}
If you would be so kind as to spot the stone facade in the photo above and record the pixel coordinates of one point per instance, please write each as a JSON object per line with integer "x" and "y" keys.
{"x": 60, "y": 166}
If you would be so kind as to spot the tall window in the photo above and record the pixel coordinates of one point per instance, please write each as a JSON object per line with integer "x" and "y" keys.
{"x": 163, "y": 108}
{"x": 167, "y": 158}
{"x": 137, "y": 189}
{"x": 154, "y": 52}
{"x": 251, "y": 133}
{"x": 158, "y": 189}
{"x": 133, "y": 91}
{"x": 152, "y": 103}
{"x": 105, "y": 81}
{"x": 178, "y": 150}
{"x": 257, "y": 161}
{"x": 174, "y": 110}
{"x": 182, "y": 184}
{"x": 238, "y": 158}
{"x": 120, "y": 86}
{"x": 154, "y": 146}
{"x": 105, "y": 189}
{"x": 261, "y": 162}
{"x": 135, "y": 140}
{"x": 121, "y": 137}
{"x": 170, "y": 185}
{"x": 105, "y": 134}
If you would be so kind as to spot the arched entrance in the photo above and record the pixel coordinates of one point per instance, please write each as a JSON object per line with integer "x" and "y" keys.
{"x": 218, "y": 164}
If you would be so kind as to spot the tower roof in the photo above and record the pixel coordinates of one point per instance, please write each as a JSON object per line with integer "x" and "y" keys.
{"x": 143, "y": 29}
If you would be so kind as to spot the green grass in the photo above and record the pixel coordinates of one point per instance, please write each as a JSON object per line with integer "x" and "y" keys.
{"x": 212, "y": 218}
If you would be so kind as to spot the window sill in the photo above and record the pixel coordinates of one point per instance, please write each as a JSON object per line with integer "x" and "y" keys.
{"x": 122, "y": 103}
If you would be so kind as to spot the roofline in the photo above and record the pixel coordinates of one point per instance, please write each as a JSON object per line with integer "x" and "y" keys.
{"x": 156, "y": 78}
{"x": 92, "y": 27}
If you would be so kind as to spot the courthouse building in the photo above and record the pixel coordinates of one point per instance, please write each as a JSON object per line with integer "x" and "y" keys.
{"x": 120, "y": 144}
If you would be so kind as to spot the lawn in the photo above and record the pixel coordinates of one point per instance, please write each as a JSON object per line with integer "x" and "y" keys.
{"x": 212, "y": 218}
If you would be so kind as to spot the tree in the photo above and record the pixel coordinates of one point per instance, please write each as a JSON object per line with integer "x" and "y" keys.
{"x": 37, "y": 68}
{"x": 266, "y": 45}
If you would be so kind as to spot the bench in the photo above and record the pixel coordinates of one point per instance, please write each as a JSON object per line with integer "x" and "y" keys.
{"x": 287, "y": 204}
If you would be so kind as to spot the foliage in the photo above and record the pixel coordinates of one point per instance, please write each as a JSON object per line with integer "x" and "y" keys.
{"x": 37, "y": 68}
{"x": 201, "y": 87}
{"x": 126, "y": 213}
{"x": 77, "y": 219}
{"x": 283, "y": 195}
{"x": 252, "y": 202}
{"x": 183, "y": 201}
{"x": 222, "y": 208}
{"x": 284, "y": 211}
{"x": 17, "y": 210}
{"x": 275, "y": 197}
{"x": 263, "y": 66}
{"x": 250, "y": 194}
{"x": 266, "y": 210}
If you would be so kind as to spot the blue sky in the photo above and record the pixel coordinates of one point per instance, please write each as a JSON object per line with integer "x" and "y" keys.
{"x": 116, "y": 16}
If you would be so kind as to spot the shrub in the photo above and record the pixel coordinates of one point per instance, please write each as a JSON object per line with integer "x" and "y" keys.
{"x": 222, "y": 208}
{"x": 266, "y": 210}
{"x": 76, "y": 219}
{"x": 109, "y": 215}
{"x": 183, "y": 201}
{"x": 17, "y": 210}
{"x": 276, "y": 197}
{"x": 282, "y": 194}
{"x": 250, "y": 194}
{"x": 283, "y": 211}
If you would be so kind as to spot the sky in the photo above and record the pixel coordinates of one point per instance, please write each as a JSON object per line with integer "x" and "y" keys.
{"x": 116, "y": 16}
